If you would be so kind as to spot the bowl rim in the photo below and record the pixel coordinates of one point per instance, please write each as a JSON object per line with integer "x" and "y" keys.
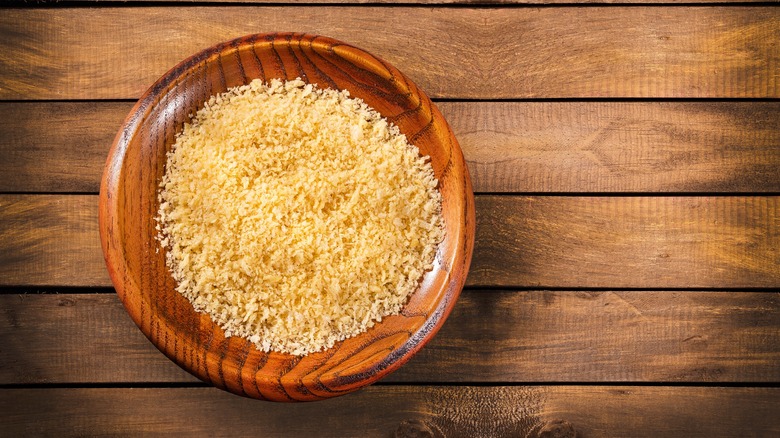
{"x": 111, "y": 181}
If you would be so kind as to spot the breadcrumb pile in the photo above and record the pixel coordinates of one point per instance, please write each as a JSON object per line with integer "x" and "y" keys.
{"x": 296, "y": 217}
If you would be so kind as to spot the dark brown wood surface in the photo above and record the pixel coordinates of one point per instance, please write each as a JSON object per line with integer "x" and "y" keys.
{"x": 627, "y": 159}
{"x": 522, "y": 241}
{"x": 401, "y": 411}
{"x": 50, "y": 239}
{"x": 530, "y": 336}
{"x": 679, "y": 147}
{"x": 446, "y": 2}
{"x": 482, "y": 53}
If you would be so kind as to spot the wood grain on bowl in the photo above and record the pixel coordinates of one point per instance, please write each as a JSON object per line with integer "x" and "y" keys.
{"x": 136, "y": 263}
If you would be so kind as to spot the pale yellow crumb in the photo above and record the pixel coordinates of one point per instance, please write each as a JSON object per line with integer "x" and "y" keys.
{"x": 295, "y": 216}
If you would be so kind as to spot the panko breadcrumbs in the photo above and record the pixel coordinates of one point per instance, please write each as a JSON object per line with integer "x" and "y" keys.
{"x": 296, "y": 217}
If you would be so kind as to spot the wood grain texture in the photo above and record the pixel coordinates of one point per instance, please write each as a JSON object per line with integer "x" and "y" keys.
{"x": 549, "y": 241}
{"x": 50, "y": 240}
{"x": 53, "y": 344}
{"x": 619, "y": 146}
{"x": 136, "y": 261}
{"x": 545, "y": 336}
{"x": 430, "y": 2}
{"x": 482, "y": 53}
{"x": 716, "y": 147}
{"x": 77, "y": 338}
{"x": 56, "y": 146}
{"x": 489, "y": 412}
{"x": 627, "y": 242}
{"x": 491, "y": 336}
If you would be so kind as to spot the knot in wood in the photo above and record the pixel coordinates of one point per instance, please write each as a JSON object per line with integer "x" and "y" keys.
{"x": 413, "y": 429}
{"x": 557, "y": 429}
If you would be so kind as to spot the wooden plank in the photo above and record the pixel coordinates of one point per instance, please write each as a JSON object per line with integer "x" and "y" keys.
{"x": 56, "y": 146}
{"x": 491, "y": 336}
{"x": 509, "y": 146}
{"x": 588, "y": 411}
{"x": 50, "y": 240}
{"x": 642, "y": 242}
{"x": 481, "y": 53}
{"x": 545, "y": 336}
{"x": 543, "y": 241}
{"x": 619, "y": 146}
{"x": 438, "y": 2}
{"x": 77, "y": 338}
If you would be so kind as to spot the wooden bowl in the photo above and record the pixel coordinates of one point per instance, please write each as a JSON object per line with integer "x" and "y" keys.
{"x": 136, "y": 262}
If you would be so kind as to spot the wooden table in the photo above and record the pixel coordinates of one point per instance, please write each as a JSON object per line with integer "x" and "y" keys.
{"x": 626, "y": 160}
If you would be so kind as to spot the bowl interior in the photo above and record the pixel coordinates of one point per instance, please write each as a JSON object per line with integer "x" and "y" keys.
{"x": 128, "y": 206}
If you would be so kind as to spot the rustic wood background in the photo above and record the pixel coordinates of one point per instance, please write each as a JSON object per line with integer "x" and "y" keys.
{"x": 626, "y": 160}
